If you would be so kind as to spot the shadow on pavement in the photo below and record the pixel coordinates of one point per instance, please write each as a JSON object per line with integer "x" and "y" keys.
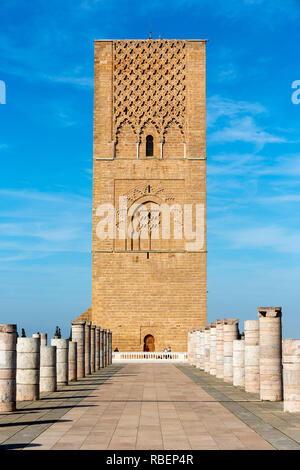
{"x": 34, "y": 423}
{"x": 63, "y": 398}
{"x": 54, "y": 407}
{"x": 17, "y": 446}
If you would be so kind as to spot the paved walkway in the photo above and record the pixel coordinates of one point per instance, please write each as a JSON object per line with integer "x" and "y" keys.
{"x": 150, "y": 406}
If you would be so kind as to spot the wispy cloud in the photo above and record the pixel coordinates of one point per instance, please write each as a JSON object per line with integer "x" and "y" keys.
{"x": 245, "y": 130}
{"x": 282, "y": 199}
{"x": 239, "y": 121}
{"x": 65, "y": 119}
{"x": 256, "y": 165}
{"x": 218, "y": 107}
{"x": 267, "y": 12}
{"x": 42, "y": 223}
{"x": 33, "y": 194}
{"x": 41, "y": 230}
{"x": 85, "y": 82}
{"x": 227, "y": 73}
{"x": 89, "y": 173}
{"x": 284, "y": 166}
{"x": 235, "y": 164}
{"x": 90, "y": 4}
{"x": 26, "y": 72}
{"x": 271, "y": 237}
{"x": 39, "y": 61}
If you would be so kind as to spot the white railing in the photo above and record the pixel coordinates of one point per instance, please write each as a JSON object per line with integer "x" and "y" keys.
{"x": 157, "y": 357}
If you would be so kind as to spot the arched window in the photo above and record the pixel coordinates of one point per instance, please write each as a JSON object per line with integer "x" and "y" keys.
{"x": 144, "y": 227}
{"x": 149, "y": 146}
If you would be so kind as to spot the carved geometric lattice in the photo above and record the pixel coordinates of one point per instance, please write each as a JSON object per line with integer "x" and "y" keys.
{"x": 149, "y": 84}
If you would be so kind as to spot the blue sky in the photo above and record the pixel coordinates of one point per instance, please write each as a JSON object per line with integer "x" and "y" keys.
{"x": 253, "y": 150}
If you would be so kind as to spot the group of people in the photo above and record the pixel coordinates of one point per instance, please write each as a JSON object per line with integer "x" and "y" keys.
{"x": 167, "y": 353}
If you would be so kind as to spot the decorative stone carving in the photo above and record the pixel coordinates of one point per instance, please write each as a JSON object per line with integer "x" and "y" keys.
{"x": 149, "y": 85}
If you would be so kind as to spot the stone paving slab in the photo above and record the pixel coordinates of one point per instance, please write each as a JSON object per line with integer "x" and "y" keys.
{"x": 280, "y": 429}
{"x": 149, "y": 406}
{"x": 32, "y": 418}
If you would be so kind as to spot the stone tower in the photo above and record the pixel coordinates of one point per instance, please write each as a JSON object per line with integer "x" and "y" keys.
{"x": 149, "y": 147}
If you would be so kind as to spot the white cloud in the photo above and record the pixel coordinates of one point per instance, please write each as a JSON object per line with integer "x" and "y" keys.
{"x": 227, "y": 73}
{"x": 84, "y": 82}
{"x": 287, "y": 165}
{"x": 9, "y": 259}
{"x": 89, "y": 173}
{"x": 245, "y": 130}
{"x": 44, "y": 231}
{"x": 256, "y": 165}
{"x": 283, "y": 198}
{"x": 65, "y": 119}
{"x": 41, "y": 61}
{"x": 90, "y": 4}
{"x": 25, "y": 71}
{"x": 44, "y": 196}
{"x": 41, "y": 223}
{"x": 271, "y": 237}
{"x": 235, "y": 164}
{"x": 218, "y": 107}
{"x": 267, "y": 12}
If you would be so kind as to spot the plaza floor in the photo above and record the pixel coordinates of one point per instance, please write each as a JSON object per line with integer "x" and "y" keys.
{"x": 150, "y": 406}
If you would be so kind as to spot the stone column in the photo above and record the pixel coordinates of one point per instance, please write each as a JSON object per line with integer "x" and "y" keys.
{"x": 197, "y": 347}
{"x": 72, "y": 374}
{"x": 190, "y": 341}
{"x": 48, "y": 381}
{"x": 212, "y": 349}
{"x": 97, "y": 348}
{"x": 195, "y": 338}
{"x": 37, "y": 335}
{"x": 193, "y": 358}
{"x": 8, "y": 359}
{"x": 28, "y": 369}
{"x": 110, "y": 347}
{"x": 251, "y": 356}
{"x": 93, "y": 348}
{"x": 270, "y": 360}
{"x": 206, "y": 346}
{"x": 62, "y": 360}
{"x": 101, "y": 349}
{"x": 230, "y": 333}
{"x": 87, "y": 329}
{"x": 202, "y": 348}
{"x": 238, "y": 363}
{"x": 219, "y": 349}
{"x": 43, "y": 338}
{"x": 189, "y": 346}
{"x": 105, "y": 347}
{"x": 78, "y": 336}
{"x": 291, "y": 375}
